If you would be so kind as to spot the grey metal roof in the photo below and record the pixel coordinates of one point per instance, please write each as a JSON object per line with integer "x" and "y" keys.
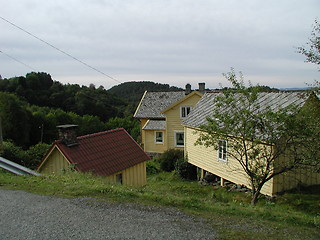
{"x": 274, "y": 100}
{"x": 155, "y": 125}
{"x": 153, "y": 103}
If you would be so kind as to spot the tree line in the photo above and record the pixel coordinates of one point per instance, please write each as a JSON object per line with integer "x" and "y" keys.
{"x": 32, "y": 106}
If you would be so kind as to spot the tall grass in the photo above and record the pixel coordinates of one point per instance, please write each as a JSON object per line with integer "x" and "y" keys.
{"x": 292, "y": 216}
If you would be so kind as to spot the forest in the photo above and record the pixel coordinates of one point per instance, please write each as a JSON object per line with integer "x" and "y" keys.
{"x": 32, "y": 106}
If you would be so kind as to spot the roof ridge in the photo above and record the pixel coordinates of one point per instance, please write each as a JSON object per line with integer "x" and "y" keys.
{"x": 100, "y": 133}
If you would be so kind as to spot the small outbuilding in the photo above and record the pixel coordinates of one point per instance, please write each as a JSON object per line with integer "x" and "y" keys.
{"x": 114, "y": 154}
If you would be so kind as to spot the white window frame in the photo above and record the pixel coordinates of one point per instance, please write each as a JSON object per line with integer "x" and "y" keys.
{"x": 222, "y": 151}
{"x": 175, "y": 138}
{"x": 155, "y": 137}
{"x": 184, "y": 111}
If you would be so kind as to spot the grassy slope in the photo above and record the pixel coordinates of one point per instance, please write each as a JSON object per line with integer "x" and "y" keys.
{"x": 293, "y": 216}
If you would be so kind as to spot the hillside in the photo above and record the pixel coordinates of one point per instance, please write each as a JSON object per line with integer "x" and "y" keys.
{"x": 133, "y": 91}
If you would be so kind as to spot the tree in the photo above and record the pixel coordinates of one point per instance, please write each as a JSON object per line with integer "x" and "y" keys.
{"x": 15, "y": 119}
{"x": 313, "y": 51}
{"x": 257, "y": 136}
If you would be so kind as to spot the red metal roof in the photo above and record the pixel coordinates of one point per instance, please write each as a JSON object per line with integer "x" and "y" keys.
{"x": 104, "y": 153}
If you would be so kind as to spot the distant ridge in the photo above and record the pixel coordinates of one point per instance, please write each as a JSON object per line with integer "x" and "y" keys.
{"x": 293, "y": 89}
{"x": 133, "y": 91}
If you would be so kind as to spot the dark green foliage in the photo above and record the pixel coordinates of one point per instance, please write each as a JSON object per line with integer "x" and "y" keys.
{"x": 36, "y": 153}
{"x": 15, "y": 119}
{"x": 29, "y": 158}
{"x": 153, "y": 167}
{"x": 133, "y": 91}
{"x": 169, "y": 158}
{"x": 39, "y": 89}
{"x": 130, "y": 124}
{"x": 14, "y": 153}
{"x": 185, "y": 169}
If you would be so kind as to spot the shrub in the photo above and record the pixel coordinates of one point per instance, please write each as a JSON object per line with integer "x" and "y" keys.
{"x": 28, "y": 158}
{"x": 152, "y": 167}
{"x": 14, "y": 153}
{"x": 169, "y": 158}
{"x": 185, "y": 169}
{"x": 36, "y": 153}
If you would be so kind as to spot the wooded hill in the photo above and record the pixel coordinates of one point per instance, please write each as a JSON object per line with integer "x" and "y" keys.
{"x": 36, "y": 100}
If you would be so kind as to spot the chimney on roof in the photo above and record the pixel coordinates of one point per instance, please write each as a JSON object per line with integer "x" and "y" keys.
{"x": 202, "y": 87}
{"x": 188, "y": 89}
{"x": 68, "y": 134}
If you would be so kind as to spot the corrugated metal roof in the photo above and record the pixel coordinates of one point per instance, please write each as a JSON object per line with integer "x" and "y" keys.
{"x": 153, "y": 103}
{"x": 104, "y": 153}
{"x": 155, "y": 125}
{"x": 274, "y": 100}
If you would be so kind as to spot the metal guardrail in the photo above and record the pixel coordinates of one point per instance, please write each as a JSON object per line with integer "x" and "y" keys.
{"x": 16, "y": 168}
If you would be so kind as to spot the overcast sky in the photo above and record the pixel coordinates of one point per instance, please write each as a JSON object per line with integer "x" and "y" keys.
{"x": 167, "y": 41}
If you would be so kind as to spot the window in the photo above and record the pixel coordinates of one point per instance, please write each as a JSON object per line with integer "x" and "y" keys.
{"x": 184, "y": 111}
{"x": 222, "y": 150}
{"x": 159, "y": 137}
{"x": 179, "y": 139}
{"x": 119, "y": 178}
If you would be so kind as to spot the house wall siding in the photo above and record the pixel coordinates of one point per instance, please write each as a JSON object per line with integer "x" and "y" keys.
{"x": 150, "y": 145}
{"x": 174, "y": 122}
{"x": 206, "y": 158}
{"x": 292, "y": 179}
{"x": 133, "y": 176}
{"x": 143, "y": 137}
{"x": 54, "y": 163}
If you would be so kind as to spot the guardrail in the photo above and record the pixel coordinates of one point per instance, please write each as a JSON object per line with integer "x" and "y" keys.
{"x": 16, "y": 168}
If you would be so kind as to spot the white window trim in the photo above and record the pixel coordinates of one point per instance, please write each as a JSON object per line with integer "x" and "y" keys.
{"x": 175, "y": 139}
{"x": 184, "y": 106}
{"x": 155, "y": 137}
{"x": 218, "y": 152}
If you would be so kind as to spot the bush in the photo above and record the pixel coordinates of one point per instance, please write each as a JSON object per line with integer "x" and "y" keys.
{"x": 169, "y": 158}
{"x": 36, "y": 153}
{"x": 29, "y": 158}
{"x": 14, "y": 153}
{"x": 185, "y": 169}
{"x": 152, "y": 167}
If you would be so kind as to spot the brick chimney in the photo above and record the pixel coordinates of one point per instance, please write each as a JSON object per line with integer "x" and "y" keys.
{"x": 68, "y": 134}
{"x": 202, "y": 87}
{"x": 188, "y": 89}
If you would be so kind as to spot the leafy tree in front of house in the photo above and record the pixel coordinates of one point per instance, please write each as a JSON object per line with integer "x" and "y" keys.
{"x": 256, "y": 136}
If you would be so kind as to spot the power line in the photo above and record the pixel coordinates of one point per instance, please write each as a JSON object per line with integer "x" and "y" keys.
{"x": 17, "y": 60}
{"x": 63, "y": 52}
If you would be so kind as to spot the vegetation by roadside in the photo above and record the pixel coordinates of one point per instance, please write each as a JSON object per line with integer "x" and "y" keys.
{"x": 291, "y": 216}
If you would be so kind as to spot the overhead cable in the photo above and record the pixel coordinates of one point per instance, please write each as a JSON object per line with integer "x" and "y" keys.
{"x": 17, "y": 60}
{"x": 54, "y": 47}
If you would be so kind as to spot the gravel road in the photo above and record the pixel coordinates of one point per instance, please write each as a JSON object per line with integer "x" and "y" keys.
{"x": 29, "y": 216}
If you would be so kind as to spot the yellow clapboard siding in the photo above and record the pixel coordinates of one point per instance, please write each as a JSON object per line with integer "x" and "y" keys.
{"x": 173, "y": 120}
{"x": 54, "y": 163}
{"x": 133, "y": 176}
{"x": 207, "y": 159}
{"x": 143, "y": 137}
{"x": 301, "y": 176}
{"x": 150, "y": 144}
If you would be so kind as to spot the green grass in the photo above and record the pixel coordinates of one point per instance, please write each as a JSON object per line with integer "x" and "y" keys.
{"x": 293, "y": 215}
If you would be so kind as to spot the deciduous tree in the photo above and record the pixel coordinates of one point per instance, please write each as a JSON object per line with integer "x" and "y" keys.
{"x": 257, "y": 135}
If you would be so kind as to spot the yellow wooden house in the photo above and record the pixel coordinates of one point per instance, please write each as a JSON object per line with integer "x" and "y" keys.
{"x": 113, "y": 154}
{"x": 161, "y": 115}
{"x": 225, "y": 168}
